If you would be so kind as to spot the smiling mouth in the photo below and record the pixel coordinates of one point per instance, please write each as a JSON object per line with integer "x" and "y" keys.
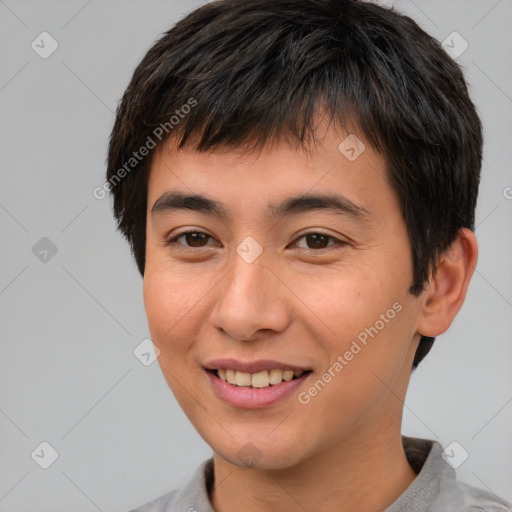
{"x": 257, "y": 380}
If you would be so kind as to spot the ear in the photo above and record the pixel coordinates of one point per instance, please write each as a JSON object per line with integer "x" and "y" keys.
{"x": 446, "y": 290}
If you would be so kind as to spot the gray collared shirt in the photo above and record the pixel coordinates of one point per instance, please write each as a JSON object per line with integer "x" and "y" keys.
{"x": 435, "y": 489}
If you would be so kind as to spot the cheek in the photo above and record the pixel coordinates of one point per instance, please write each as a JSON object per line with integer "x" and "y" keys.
{"x": 366, "y": 331}
{"x": 169, "y": 304}
{"x": 158, "y": 302}
{"x": 350, "y": 300}
{"x": 359, "y": 375}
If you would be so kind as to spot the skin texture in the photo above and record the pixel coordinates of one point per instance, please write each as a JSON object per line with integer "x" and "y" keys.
{"x": 299, "y": 304}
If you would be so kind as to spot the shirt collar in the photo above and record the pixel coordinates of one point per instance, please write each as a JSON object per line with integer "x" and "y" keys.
{"x": 423, "y": 455}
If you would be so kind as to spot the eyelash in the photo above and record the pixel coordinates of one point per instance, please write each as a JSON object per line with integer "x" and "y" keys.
{"x": 339, "y": 242}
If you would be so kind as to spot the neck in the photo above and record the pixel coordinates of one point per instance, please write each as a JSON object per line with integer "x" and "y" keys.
{"x": 367, "y": 472}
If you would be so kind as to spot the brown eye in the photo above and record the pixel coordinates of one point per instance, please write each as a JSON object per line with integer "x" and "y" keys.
{"x": 196, "y": 239}
{"x": 316, "y": 240}
{"x": 192, "y": 239}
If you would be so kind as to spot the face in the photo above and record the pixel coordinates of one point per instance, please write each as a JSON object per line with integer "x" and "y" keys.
{"x": 265, "y": 282}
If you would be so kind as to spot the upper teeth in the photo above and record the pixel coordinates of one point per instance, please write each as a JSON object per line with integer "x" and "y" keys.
{"x": 257, "y": 380}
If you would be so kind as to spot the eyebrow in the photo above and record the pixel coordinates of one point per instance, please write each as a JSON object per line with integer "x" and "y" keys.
{"x": 175, "y": 201}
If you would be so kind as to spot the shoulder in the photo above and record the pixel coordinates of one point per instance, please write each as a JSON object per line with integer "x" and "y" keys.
{"x": 193, "y": 497}
{"x": 463, "y": 497}
{"x": 436, "y": 487}
{"x": 165, "y": 503}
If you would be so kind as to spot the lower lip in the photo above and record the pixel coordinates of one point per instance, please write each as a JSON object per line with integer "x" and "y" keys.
{"x": 253, "y": 398}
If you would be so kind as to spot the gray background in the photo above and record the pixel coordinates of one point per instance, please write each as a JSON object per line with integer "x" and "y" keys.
{"x": 70, "y": 324}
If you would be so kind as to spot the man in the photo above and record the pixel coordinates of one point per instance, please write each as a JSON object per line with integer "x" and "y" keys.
{"x": 297, "y": 180}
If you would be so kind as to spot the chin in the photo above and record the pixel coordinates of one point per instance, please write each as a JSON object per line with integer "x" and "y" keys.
{"x": 254, "y": 455}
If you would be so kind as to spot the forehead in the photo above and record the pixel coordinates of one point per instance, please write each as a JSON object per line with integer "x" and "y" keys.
{"x": 343, "y": 166}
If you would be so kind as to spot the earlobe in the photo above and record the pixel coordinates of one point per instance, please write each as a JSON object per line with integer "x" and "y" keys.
{"x": 447, "y": 287}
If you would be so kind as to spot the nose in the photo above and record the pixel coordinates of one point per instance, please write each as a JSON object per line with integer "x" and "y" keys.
{"x": 251, "y": 299}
